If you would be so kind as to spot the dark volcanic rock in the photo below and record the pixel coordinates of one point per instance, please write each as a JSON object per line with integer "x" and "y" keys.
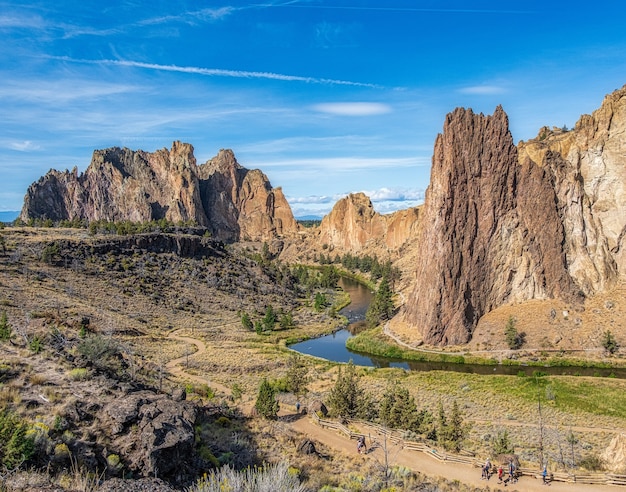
{"x": 151, "y": 433}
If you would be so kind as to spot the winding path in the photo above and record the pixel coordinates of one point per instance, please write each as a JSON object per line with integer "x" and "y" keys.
{"x": 175, "y": 367}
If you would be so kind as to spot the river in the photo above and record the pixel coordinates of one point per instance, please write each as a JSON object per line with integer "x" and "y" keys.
{"x": 333, "y": 347}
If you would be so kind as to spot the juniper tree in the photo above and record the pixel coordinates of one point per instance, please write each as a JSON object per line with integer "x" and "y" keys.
{"x": 381, "y": 307}
{"x": 266, "y": 403}
{"x": 297, "y": 374}
{"x": 345, "y": 397}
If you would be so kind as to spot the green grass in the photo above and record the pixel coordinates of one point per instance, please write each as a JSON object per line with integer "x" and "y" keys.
{"x": 571, "y": 394}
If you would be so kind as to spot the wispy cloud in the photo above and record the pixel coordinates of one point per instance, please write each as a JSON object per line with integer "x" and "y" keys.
{"x": 483, "y": 90}
{"x": 218, "y": 72}
{"x": 353, "y": 108}
{"x": 406, "y": 9}
{"x": 346, "y": 164}
{"x": 24, "y": 146}
{"x": 61, "y": 90}
{"x": 191, "y": 17}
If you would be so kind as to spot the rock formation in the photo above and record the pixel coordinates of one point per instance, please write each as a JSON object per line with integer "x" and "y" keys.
{"x": 353, "y": 225}
{"x": 121, "y": 184}
{"x": 589, "y": 166}
{"x": 241, "y": 204}
{"x": 162, "y": 436}
{"x": 490, "y": 231}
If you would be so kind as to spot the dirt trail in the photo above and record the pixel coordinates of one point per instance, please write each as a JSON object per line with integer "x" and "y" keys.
{"x": 175, "y": 366}
{"x": 413, "y": 460}
{"x": 427, "y": 465}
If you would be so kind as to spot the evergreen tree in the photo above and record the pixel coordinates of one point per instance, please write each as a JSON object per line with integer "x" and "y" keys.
{"x": 269, "y": 319}
{"x": 320, "y": 301}
{"x": 398, "y": 409}
{"x": 451, "y": 432}
{"x": 5, "y": 327}
{"x": 246, "y": 322}
{"x": 266, "y": 403}
{"x": 381, "y": 307}
{"x": 286, "y": 321}
{"x": 514, "y": 339}
{"x": 297, "y": 374}
{"x": 609, "y": 343}
{"x": 344, "y": 397}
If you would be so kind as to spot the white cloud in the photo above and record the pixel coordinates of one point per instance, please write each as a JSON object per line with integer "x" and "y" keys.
{"x": 24, "y": 146}
{"x": 385, "y": 201}
{"x": 353, "y": 108}
{"x": 395, "y": 195}
{"x": 483, "y": 90}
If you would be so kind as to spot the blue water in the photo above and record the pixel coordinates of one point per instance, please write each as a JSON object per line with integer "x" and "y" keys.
{"x": 333, "y": 347}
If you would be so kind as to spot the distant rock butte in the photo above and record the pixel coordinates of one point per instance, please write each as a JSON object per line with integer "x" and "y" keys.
{"x": 353, "y": 225}
{"x": 121, "y": 184}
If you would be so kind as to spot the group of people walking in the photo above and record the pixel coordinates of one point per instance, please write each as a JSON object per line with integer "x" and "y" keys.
{"x": 511, "y": 472}
{"x": 508, "y": 472}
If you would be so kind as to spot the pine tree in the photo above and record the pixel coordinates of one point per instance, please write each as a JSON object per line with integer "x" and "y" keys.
{"x": 266, "y": 403}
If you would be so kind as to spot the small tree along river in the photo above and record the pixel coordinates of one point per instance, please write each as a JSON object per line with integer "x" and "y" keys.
{"x": 333, "y": 347}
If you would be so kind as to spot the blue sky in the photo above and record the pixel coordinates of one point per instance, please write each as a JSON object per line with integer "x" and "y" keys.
{"x": 327, "y": 97}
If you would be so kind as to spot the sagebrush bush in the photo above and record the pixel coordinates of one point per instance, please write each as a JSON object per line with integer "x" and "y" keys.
{"x": 79, "y": 374}
{"x": 268, "y": 478}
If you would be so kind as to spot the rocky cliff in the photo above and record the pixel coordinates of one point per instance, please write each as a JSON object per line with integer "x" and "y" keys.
{"x": 589, "y": 168}
{"x": 241, "y": 203}
{"x": 121, "y": 184}
{"x": 490, "y": 231}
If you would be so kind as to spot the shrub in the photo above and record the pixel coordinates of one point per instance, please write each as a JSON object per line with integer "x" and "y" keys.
{"x": 591, "y": 462}
{"x": 79, "y": 374}
{"x": 16, "y": 444}
{"x": 268, "y": 478}
{"x": 609, "y": 343}
{"x": 98, "y": 350}
{"x": 501, "y": 444}
{"x": 5, "y": 327}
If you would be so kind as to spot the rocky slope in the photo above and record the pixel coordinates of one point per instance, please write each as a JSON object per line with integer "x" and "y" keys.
{"x": 121, "y": 184}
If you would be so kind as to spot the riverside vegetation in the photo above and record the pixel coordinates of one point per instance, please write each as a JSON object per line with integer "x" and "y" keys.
{"x": 88, "y": 317}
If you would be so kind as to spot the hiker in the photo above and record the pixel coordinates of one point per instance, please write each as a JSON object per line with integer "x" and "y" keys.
{"x": 298, "y": 406}
{"x": 500, "y": 473}
{"x": 486, "y": 470}
{"x": 360, "y": 445}
{"x": 512, "y": 477}
{"x": 544, "y": 475}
